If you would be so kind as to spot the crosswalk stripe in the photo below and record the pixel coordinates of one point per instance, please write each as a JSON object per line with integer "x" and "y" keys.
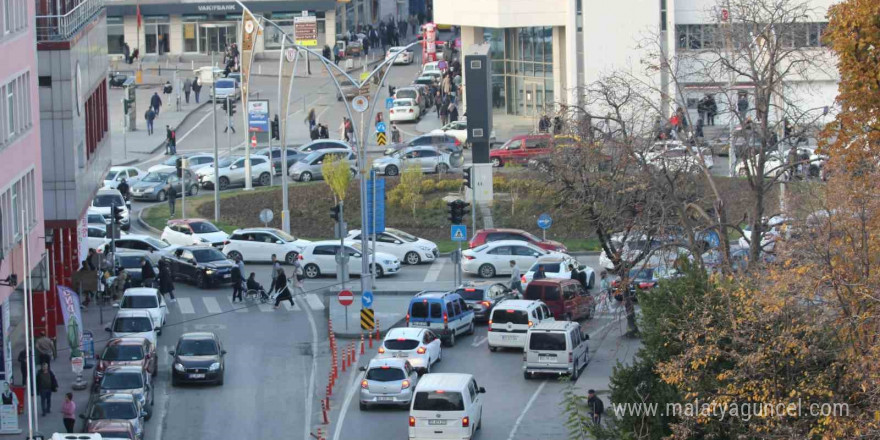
{"x": 434, "y": 271}
{"x": 266, "y": 307}
{"x": 185, "y": 305}
{"x": 243, "y": 307}
{"x": 211, "y": 305}
{"x": 314, "y": 302}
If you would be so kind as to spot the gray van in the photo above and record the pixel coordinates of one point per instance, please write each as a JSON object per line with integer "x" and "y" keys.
{"x": 555, "y": 347}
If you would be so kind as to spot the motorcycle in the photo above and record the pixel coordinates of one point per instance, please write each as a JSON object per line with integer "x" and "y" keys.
{"x": 117, "y": 79}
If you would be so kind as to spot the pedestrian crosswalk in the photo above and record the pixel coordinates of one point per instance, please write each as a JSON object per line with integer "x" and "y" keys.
{"x": 212, "y": 305}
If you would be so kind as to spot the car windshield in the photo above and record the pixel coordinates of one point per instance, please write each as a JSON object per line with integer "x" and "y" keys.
{"x": 385, "y": 374}
{"x": 438, "y": 401}
{"x": 408, "y": 237}
{"x": 471, "y": 294}
{"x": 111, "y": 175}
{"x": 411, "y": 94}
{"x": 114, "y": 410}
{"x": 130, "y": 262}
{"x": 312, "y": 156}
{"x": 122, "y": 352}
{"x": 401, "y": 344}
{"x": 158, "y": 244}
{"x": 208, "y": 255}
{"x": 155, "y": 177}
{"x": 122, "y": 381}
{"x": 395, "y": 49}
{"x": 505, "y": 316}
{"x": 284, "y": 236}
{"x": 226, "y": 84}
{"x": 171, "y": 161}
{"x": 132, "y": 325}
{"x": 548, "y": 267}
{"x": 203, "y": 227}
{"x": 197, "y": 347}
{"x": 547, "y": 341}
{"x": 103, "y": 200}
{"x": 139, "y": 302}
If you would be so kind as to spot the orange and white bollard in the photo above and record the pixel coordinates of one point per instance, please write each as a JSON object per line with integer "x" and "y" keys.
{"x": 344, "y": 361}
{"x": 351, "y": 357}
{"x": 320, "y": 435}
{"x": 324, "y": 412}
{"x": 362, "y": 343}
{"x": 371, "y": 340}
{"x": 378, "y": 334}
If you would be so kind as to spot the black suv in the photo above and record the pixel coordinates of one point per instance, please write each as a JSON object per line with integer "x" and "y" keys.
{"x": 202, "y": 265}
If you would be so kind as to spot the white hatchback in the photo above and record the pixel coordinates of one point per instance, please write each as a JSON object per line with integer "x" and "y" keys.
{"x": 557, "y": 267}
{"x": 404, "y": 110}
{"x": 194, "y": 232}
{"x": 494, "y": 258}
{"x": 406, "y": 247}
{"x": 148, "y": 299}
{"x": 319, "y": 258}
{"x": 259, "y": 244}
{"x": 405, "y": 56}
{"x": 421, "y": 347}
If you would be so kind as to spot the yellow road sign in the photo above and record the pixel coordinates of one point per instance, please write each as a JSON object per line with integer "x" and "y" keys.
{"x": 364, "y": 76}
{"x": 368, "y": 321}
{"x": 380, "y": 138}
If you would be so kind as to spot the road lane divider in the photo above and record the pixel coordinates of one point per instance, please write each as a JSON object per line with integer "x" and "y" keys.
{"x": 479, "y": 340}
{"x": 526, "y": 410}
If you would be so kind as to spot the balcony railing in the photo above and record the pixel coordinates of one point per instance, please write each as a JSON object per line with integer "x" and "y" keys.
{"x": 62, "y": 27}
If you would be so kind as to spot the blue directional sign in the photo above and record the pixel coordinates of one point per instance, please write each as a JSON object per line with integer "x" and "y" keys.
{"x": 367, "y": 299}
{"x": 544, "y": 221}
{"x": 389, "y": 103}
{"x": 379, "y": 202}
{"x": 459, "y": 233}
{"x": 380, "y": 127}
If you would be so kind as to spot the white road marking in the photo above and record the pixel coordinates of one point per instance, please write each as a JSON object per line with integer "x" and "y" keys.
{"x": 479, "y": 340}
{"x": 185, "y": 306}
{"x": 525, "y": 410}
{"x": 266, "y": 307}
{"x": 315, "y": 303}
{"x": 164, "y": 357}
{"x": 310, "y": 395}
{"x": 212, "y": 305}
{"x": 295, "y": 307}
{"x": 434, "y": 271}
{"x": 349, "y": 395}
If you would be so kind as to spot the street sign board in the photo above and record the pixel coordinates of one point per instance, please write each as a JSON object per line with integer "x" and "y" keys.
{"x": 258, "y": 115}
{"x": 365, "y": 75}
{"x": 368, "y": 319}
{"x": 345, "y": 298}
{"x": 389, "y": 103}
{"x": 367, "y": 299}
{"x": 360, "y": 103}
{"x": 380, "y": 127}
{"x": 544, "y": 221}
{"x": 266, "y": 215}
{"x": 305, "y": 30}
{"x": 459, "y": 233}
{"x": 379, "y": 202}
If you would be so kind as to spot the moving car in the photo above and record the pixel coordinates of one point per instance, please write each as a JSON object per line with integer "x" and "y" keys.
{"x": 484, "y": 236}
{"x": 483, "y": 296}
{"x": 259, "y": 244}
{"x": 130, "y": 261}
{"x": 128, "y": 351}
{"x": 556, "y": 347}
{"x": 421, "y": 347}
{"x": 134, "y": 323}
{"x": 116, "y": 174}
{"x": 114, "y": 406}
{"x": 193, "y": 232}
{"x": 444, "y": 142}
{"x": 275, "y": 153}
{"x": 520, "y": 149}
{"x": 154, "y": 247}
{"x": 492, "y": 259}
{"x": 204, "y": 266}
{"x": 387, "y": 382}
{"x": 567, "y": 299}
{"x": 156, "y": 185}
{"x": 198, "y": 357}
{"x": 406, "y": 247}
{"x": 195, "y": 161}
{"x": 225, "y": 88}
{"x": 311, "y": 166}
{"x": 319, "y": 258}
{"x": 510, "y": 321}
{"x": 106, "y": 430}
{"x": 445, "y": 406}
{"x": 128, "y": 380}
{"x": 403, "y": 56}
{"x": 444, "y": 313}
{"x": 235, "y": 172}
{"x": 147, "y": 299}
{"x": 458, "y": 130}
{"x": 556, "y": 266}
{"x": 404, "y": 110}
{"x": 97, "y": 238}
{"x": 428, "y": 159}
{"x": 104, "y": 201}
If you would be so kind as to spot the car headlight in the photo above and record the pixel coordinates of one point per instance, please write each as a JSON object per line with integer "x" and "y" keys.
{"x": 209, "y": 272}
{"x": 214, "y": 367}
{"x": 389, "y": 262}
{"x": 179, "y": 367}
{"x": 426, "y": 248}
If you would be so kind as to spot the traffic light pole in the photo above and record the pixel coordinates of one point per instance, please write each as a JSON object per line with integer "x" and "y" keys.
{"x": 216, "y": 148}
{"x": 228, "y": 125}
{"x": 183, "y": 166}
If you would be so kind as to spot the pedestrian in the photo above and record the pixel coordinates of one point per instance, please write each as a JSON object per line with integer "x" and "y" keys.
{"x": 596, "y": 407}
{"x": 395, "y": 134}
{"x": 742, "y": 106}
{"x": 46, "y": 385}
{"x": 711, "y": 110}
{"x": 324, "y": 132}
{"x": 315, "y": 133}
{"x": 156, "y": 103}
{"x": 173, "y": 142}
{"x": 299, "y": 274}
{"x": 438, "y": 101}
{"x": 68, "y": 412}
{"x": 540, "y": 274}
{"x": 166, "y": 279}
{"x": 167, "y": 89}
{"x": 282, "y": 289}
{"x": 187, "y": 89}
{"x": 543, "y": 124}
{"x": 119, "y": 284}
{"x": 453, "y": 111}
{"x": 126, "y": 52}
{"x": 515, "y": 278}
{"x": 197, "y": 87}
{"x": 236, "y": 281}
{"x": 45, "y": 348}
{"x": 446, "y": 85}
{"x": 23, "y": 364}
{"x": 276, "y": 269}
{"x": 148, "y": 275}
{"x": 343, "y": 130}
{"x": 698, "y": 130}
{"x": 349, "y": 130}
{"x": 311, "y": 119}
{"x": 379, "y": 118}
{"x": 150, "y": 116}
{"x": 172, "y": 197}
{"x": 444, "y": 114}
{"x": 168, "y": 140}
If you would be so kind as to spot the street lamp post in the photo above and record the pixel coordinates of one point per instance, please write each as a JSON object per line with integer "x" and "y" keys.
{"x": 216, "y": 150}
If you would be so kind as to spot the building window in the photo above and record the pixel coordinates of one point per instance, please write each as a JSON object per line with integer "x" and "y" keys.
{"x": 10, "y": 110}
{"x": 19, "y": 195}
{"x": 7, "y": 16}
{"x": 156, "y": 30}
{"x": 14, "y": 15}
{"x": 115, "y": 35}
{"x": 15, "y": 109}
{"x": 712, "y": 36}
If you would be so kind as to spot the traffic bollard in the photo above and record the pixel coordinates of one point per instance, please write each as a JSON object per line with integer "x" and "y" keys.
{"x": 320, "y": 434}
{"x": 371, "y": 340}
{"x": 327, "y": 403}
{"x": 378, "y": 335}
{"x": 324, "y": 412}
{"x": 362, "y": 343}
{"x": 351, "y": 355}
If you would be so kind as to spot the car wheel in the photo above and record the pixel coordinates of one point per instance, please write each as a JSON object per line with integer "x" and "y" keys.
{"x": 305, "y": 177}
{"x": 471, "y": 328}
{"x": 592, "y": 282}
{"x": 575, "y": 372}
{"x": 412, "y": 258}
{"x": 312, "y": 271}
{"x": 442, "y": 168}
{"x": 379, "y": 272}
{"x": 362, "y": 406}
{"x": 487, "y": 271}
{"x": 224, "y": 183}
{"x": 201, "y": 281}
{"x": 161, "y": 196}
{"x": 496, "y": 162}
{"x": 194, "y": 190}
{"x": 391, "y": 171}
{"x": 232, "y": 255}
{"x": 492, "y": 348}
{"x": 291, "y": 257}
{"x": 526, "y": 375}
{"x": 265, "y": 179}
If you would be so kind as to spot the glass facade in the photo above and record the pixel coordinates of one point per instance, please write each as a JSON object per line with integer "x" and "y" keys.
{"x": 115, "y": 35}
{"x": 522, "y": 69}
{"x": 156, "y": 30}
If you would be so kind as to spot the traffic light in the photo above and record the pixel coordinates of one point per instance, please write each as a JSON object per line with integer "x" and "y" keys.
{"x": 334, "y": 213}
{"x": 231, "y": 107}
{"x": 457, "y": 210}
{"x": 126, "y": 105}
{"x": 223, "y": 105}
{"x": 117, "y": 214}
{"x": 179, "y": 165}
{"x": 467, "y": 177}
{"x": 275, "y": 129}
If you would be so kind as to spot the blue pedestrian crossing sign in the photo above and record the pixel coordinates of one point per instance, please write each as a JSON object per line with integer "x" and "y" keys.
{"x": 459, "y": 233}
{"x": 367, "y": 299}
{"x": 389, "y": 103}
{"x": 544, "y": 221}
{"x": 380, "y": 127}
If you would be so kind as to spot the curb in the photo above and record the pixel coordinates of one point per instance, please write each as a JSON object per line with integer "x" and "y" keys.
{"x": 182, "y": 121}
{"x": 144, "y": 224}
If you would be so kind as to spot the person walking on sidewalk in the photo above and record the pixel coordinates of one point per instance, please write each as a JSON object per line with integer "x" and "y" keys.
{"x": 170, "y": 146}
{"x": 282, "y": 289}
{"x": 197, "y": 87}
{"x": 515, "y": 278}
{"x": 299, "y": 274}
{"x": 156, "y": 103}
{"x": 45, "y": 348}
{"x": 311, "y": 120}
{"x": 172, "y": 197}
{"x": 187, "y": 88}
{"x": 46, "y": 385}
{"x": 148, "y": 275}
{"x": 395, "y": 134}
{"x": 596, "y": 407}
{"x": 68, "y": 412}
{"x": 150, "y": 116}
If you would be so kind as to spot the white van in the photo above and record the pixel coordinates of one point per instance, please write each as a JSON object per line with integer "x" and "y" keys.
{"x": 556, "y": 347}
{"x": 83, "y": 436}
{"x": 511, "y": 319}
{"x": 446, "y": 405}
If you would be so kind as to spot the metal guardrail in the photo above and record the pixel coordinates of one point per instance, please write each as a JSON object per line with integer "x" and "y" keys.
{"x": 62, "y": 27}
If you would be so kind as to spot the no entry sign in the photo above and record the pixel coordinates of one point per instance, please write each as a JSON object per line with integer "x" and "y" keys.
{"x": 345, "y": 298}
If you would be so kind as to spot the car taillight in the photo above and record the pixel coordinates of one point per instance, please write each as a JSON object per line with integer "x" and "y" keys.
{"x": 445, "y": 319}
{"x": 615, "y": 283}
{"x": 410, "y": 110}
{"x": 391, "y": 111}
{"x": 381, "y": 350}
{"x": 421, "y": 350}
{"x": 407, "y": 318}
{"x": 531, "y": 323}
{"x": 468, "y": 257}
{"x": 457, "y": 142}
{"x": 522, "y": 279}
{"x": 365, "y": 384}
{"x": 489, "y": 326}
{"x": 404, "y": 385}
{"x": 570, "y": 358}
{"x": 465, "y": 422}
{"x": 412, "y": 421}
{"x": 486, "y": 303}
{"x": 646, "y": 285}
{"x": 225, "y": 242}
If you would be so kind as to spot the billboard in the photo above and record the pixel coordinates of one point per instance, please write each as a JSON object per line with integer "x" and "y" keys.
{"x": 258, "y": 115}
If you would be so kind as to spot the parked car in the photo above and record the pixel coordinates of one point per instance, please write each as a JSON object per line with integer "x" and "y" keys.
{"x": 404, "y": 110}
{"x": 193, "y": 232}
{"x": 104, "y": 201}
{"x": 629, "y": 248}
{"x": 128, "y": 380}
{"x": 412, "y": 93}
{"x": 148, "y": 299}
{"x": 444, "y": 313}
{"x": 432, "y": 66}
{"x": 567, "y": 299}
{"x": 117, "y": 79}
{"x": 195, "y": 162}
{"x": 311, "y": 167}
{"x": 428, "y": 159}
{"x": 403, "y": 56}
{"x": 198, "y": 357}
{"x": 95, "y": 218}
{"x": 406, "y": 247}
{"x": 446, "y": 402}
{"x": 493, "y": 258}
{"x": 155, "y": 185}
{"x": 510, "y": 321}
{"x": 557, "y": 267}
{"x": 419, "y": 346}
{"x": 444, "y": 142}
{"x": 130, "y": 262}
{"x": 458, "y": 130}
{"x": 114, "y": 406}
{"x": 677, "y": 157}
{"x": 154, "y": 247}
{"x": 259, "y": 244}
{"x": 134, "y": 323}
{"x": 277, "y": 163}
{"x": 97, "y": 238}
{"x": 129, "y": 351}
{"x": 556, "y": 347}
{"x": 426, "y": 80}
{"x": 106, "y": 429}
{"x": 387, "y": 382}
{"x": 204, "y": 266}
{"x": 235, "y": 173}
{"x": 319, "y": 258}
{"x": 644, "y": 278}
{"x": 225, "y": 88}
{"x": 483, "y": 236}
{"x": 116, "y": 174}
{"x": 519, "y": 149}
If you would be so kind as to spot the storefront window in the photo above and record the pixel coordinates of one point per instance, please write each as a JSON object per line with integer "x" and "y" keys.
{"x": 156, "y": 30}
{"x": 191, "y": 32}
{"x": 115, "y": 35}
{"x": 522, "y": 69}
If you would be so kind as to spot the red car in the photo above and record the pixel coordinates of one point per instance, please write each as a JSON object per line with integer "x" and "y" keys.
{"x": 484, "y": 236}
{"x": 127, "y": 351}
{"x": 520, "y": 149}
{"x": 112, "y": 428}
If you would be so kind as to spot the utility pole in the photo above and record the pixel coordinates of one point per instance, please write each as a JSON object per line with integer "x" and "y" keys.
{"x": 216, "y": 149}
{"x": 229, "y": 125}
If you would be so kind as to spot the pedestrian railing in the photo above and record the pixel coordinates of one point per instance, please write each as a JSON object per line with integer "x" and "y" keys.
{"x": 62, "y": 27}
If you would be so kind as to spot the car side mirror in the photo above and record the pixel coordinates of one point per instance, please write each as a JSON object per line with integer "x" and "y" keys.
{"x": 232, "y": 167}
{"x": 158, "y": 329}
{"x": 107, "y": 329}
{"x": 362, "y": 368}
{"x": 171, "y": 353}
{"x": 585, "y": 337}
{"x": 279, "y": 242}
{"x": 398, "y": 242}
{"x": 482, "y": 390}
{"x": 222, "y": 352}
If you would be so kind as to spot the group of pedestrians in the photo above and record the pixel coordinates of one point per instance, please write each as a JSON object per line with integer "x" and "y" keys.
{"x": 280, "y": 285}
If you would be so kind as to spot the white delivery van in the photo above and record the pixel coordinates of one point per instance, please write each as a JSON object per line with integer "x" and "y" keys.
{"x": 511, "y": 319}
{"x": 555, "y": 347}
{"x": 446, "y": 405}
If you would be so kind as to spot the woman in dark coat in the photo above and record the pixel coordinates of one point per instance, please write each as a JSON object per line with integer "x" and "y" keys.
{"x": 281, "y": 287}
{"x": 166, "y": 281}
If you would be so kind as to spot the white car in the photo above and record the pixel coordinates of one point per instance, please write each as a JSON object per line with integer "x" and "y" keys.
{"x": 155, "y": 248}
{"x": 104, "y": 201}
{"x": 634, "y": 246}
{"x": 116, "y": 174}
{"x": 225, "y": 88}
{"x": 458, "y": 130}
{"x": 147, "y": 299}
{"x": 234, "y": 172}
{"x": 95, "y": 218}
{"x": 405, "y": 57}
{"x": 319, "y": 258}
{"x": 421, "y": 347}
{"x": 259, "y": 244}
{"x": 97, "y": 238}
{"x": 428, "y": 159}
{"x": 193, "y": 232}
{"x": 433, "y": 66}
{"x": 446, "y": 405}
{"x": 775, "y": 228}
{"x": 682, "y": 159}
{"x": 557, "y": 267}
{"x": 134, "y": 323}
{"x": 195, "y": 162}
{"x": 404, "y": 110}
{"x": 406, "y": 247}
{"x": 493, "y": 258}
